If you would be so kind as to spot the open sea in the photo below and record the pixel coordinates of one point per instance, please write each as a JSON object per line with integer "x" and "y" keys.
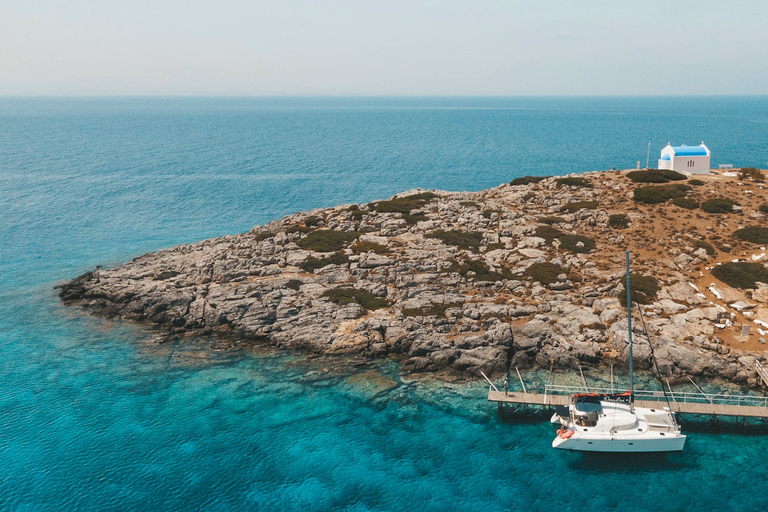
{"x": 95, "y": 416}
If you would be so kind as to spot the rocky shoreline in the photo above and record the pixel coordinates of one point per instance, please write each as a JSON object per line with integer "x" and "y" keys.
{"x": 525, "y": 275}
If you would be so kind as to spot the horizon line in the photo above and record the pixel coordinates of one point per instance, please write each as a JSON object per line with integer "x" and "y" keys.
{"x": 369, "y": 96}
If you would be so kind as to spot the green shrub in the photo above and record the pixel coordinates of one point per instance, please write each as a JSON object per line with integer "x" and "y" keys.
{"x": 751, "y": 172}
{"x": 754, "y": 234}
{"x": 695, "y": 183}
{"x": 327, "y": 240}
{"x": 530, "y": 195}
{"x": 460, "y": 239}
{"x": 313, "y": 221}
{"x": 525, "y": 180}
{"x": 481, "y": 271}
{"x": 299, "y": 229}
{"x": 573, "y": 182}
{"x": 655, "y": 176}
{"x": 415, "y": 218}
{"x": 548, "y": 233}
{"x": 718, "y": 205}
{"x": 618, "y": 220}
{"x": 431, "y": 310}
{"x": 361, "y": 247}
{"x": 741, "y": 275}
{"x": 571, "y": 243}
{"x": 725, "y": 248}
{"x": 578, "y": 205}
{"x": 311, "y": 263}
{"x": 545, "y": 273}
{"x": 470, "y": 204}
{"x": 661, "y": 194}
{"x": 495, "y": 245}
{"x": 405, "y": 204}
{"x": 642, "y": 288}
{"x": 763, "y": 208}
{"x": 260, "y": 237}
{"x": 356, "y": 212}
{"x": 551, "y": 220}
{"x": 700, "y": 244}
{"x": 366, "y": 299}
{"x": 293, "y": 284}
{"x": 685, "y": 202}
{"x": 489, "y": 212}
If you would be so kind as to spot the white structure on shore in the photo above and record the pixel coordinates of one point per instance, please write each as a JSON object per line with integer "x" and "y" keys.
{"x": 685, "y": 159}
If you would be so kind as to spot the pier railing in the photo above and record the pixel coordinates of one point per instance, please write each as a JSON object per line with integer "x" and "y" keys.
{"x": 762, "y": 373}
{"x": 684, "y": 397}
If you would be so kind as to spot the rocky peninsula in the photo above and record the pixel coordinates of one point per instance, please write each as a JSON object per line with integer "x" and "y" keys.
{"x": 527, "y": 274}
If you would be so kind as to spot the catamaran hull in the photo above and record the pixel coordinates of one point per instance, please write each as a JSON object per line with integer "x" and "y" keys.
{"x": 658, "y": 445}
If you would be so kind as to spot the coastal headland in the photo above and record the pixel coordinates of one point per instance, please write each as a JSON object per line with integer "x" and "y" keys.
{"x": 527, "y": 274}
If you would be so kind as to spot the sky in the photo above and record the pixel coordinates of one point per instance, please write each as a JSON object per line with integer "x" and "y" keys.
{"x": 382, "y": 48}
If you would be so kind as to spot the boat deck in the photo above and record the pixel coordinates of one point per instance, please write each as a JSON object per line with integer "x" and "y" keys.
{"x": 707, "y": 407}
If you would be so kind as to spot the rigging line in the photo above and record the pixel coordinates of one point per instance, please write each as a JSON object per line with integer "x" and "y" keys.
{"x": 653, "y": 354}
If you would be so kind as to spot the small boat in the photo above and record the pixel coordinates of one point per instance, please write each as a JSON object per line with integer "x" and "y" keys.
{"x": 610, "y": 422}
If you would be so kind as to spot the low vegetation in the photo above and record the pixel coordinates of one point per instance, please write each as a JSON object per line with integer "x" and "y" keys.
{"x": 655, "y": 176}
{"x": 573, "y": 182}
{"x": 578, "y": 205}
{"x": 527, "y": 180}
{"x": 356, "y": 212}
{"x": 751, "y": 173}
{"x": 495, "y": 245}
{"x": 490, "y": 211}
{"x": 460, "y": 239}
{"x": 327, "y": 240}
{"x": 548, "y": 233}
{"x": 299, "y": 229}
{"x": 577, "y": 243}
{"x": 364, "y": 298}
{"x": 313, "y": 221}
{"x": 470, "y": 204}
{"x": 311, "y": 263}
{"x": 660, "y": 194}
{"x": 763, "y": 208}
{"x": 431, "y": 310}
{"x": 700, "y": 244}
{"x": 718, "y": 205}
{"x": 545, "y": 273}
{"x": 643, "y": 289}
{"x": 618, "y": 221}
{"x": 754, "y": 234}
{"x": 265, "y": 235}
{"x": 695, "y": 182}
{"x": 551, "y": 220}
{"x": 479, "y": 271}
{"x": 405, "y": 204}
{"x": 685, "y": 202}
{"x": 293, "y": 284}
{"x": 742, "y": 275}
{"x": 413, "y": 219}
{"x": 361, "y": 247}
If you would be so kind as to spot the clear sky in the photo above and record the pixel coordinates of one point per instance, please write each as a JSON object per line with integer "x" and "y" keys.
{"x": 358, "y": 47}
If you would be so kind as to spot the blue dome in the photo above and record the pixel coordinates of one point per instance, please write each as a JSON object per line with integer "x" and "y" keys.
{"x": 665, "y": 157}
{"x": 690, "y": 151}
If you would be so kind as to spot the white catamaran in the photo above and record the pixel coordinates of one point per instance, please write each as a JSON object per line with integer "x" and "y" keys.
{"x": 611, "y": 423}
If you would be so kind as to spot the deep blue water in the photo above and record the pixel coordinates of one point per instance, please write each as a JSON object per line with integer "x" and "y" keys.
{"x": 94, "y": 416}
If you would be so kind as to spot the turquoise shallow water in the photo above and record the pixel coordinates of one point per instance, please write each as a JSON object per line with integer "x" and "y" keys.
{"x": 94, "y": 416}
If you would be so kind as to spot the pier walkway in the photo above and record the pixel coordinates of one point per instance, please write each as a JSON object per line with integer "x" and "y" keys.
{"x": 714, "y": 405}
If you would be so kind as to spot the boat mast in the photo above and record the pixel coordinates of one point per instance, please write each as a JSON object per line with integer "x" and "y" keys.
{"x": 629, "y": 319}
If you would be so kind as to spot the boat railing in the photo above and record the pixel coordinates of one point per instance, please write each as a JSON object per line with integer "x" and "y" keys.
{"x": 685, "y": 397}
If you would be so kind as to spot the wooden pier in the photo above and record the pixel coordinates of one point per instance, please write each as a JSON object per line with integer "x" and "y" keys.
{"x": 694, "y": 404}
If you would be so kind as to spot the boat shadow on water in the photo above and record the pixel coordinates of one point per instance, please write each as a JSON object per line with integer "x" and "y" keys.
{"x": 631, "y": 462}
